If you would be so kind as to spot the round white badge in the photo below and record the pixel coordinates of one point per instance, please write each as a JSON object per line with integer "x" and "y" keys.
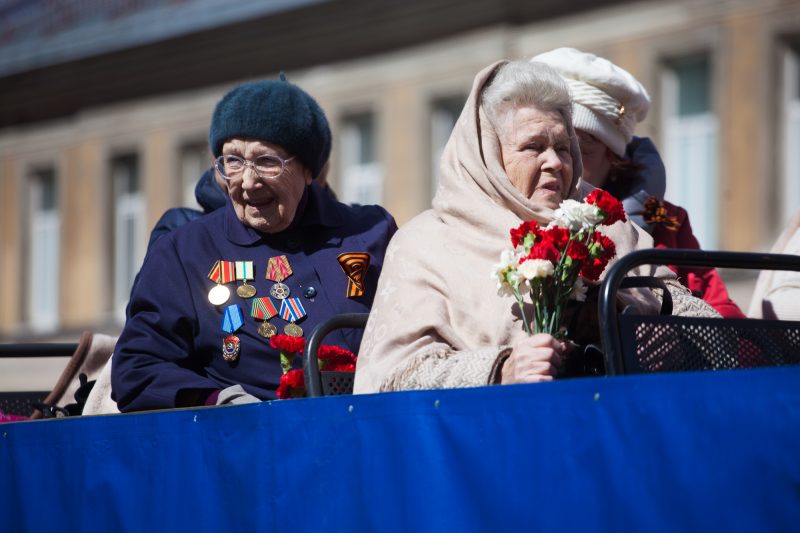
{"x": 219, "y": 295}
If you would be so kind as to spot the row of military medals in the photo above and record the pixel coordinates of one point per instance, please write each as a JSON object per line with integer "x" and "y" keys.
{"x": 262, "y": 308}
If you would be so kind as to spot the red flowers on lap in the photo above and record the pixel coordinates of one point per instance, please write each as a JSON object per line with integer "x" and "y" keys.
{"x": 329, "y": 358}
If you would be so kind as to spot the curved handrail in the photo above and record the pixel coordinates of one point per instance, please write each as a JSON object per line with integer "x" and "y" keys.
{"x": 310, "y": 364}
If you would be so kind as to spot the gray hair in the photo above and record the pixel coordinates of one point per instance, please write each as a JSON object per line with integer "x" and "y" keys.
{"x": 525, "y": 83}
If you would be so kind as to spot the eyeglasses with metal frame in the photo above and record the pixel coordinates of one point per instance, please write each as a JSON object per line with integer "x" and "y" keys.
{"x": 232, "y": 167}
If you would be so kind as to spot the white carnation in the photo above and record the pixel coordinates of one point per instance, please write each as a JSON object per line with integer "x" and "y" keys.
{"x": 524, "y": 286}
{"x": 576, "y": 216}
{"x": 513, "y": 282}
{"x": 506, "y": 263}
{"x": 579, "y": 290}
{"x": 504, "y": 289}
{"x": 504, "y": 273}
{"x": 535, "y": 268}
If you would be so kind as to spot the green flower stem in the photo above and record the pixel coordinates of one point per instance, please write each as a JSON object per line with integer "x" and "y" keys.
{"x": 521, "y": 305}
{"x": 555, "y": 318}
{"x": 540, "y": 316}
{"x": 286, "y": 361}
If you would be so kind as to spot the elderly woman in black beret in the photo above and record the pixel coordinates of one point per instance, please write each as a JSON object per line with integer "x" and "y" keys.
{"x": 280, "y": 257}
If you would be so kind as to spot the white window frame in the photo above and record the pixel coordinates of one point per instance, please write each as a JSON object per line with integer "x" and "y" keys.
{"x": 362, "y": 181}
{"x": 129, "y": 212}
{"x": 43, "y": 281}
{"x": 193, "y": 162}
{"x": 691, "y": 156}
{"x": 790, "y": 173}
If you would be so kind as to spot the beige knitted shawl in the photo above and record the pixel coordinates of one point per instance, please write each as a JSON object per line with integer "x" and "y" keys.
{"x": 437, "y": 320}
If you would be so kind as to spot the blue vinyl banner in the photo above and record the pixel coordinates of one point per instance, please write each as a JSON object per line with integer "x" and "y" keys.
{"x": 714, "y": 451}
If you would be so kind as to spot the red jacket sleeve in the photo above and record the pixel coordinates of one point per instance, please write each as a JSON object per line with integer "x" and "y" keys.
{"x": 704, "y": 282}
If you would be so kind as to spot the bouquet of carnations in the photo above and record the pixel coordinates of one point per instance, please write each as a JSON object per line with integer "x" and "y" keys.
{"x": 551, "y": 263}
{"x": 329, "y": 358}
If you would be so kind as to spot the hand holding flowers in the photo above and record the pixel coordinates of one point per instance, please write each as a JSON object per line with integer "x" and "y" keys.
{"x": 535, "y": 359}
{"x": 550, "y": 264}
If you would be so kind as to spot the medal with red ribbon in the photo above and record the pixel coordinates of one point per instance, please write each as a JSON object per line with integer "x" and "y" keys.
{"x": 355, "y": 266}
{"x": 221, "y": 273}
{"x": 264, "y": 309}
{"x": 278, "y": 269}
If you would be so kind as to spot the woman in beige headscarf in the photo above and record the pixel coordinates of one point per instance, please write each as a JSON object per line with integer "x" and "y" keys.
{"x": 437, "y": 320}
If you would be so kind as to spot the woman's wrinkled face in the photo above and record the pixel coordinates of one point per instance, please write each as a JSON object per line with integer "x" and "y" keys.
{"x": 265, "y": 204}
{"x": 596, "y": 159}
{"x": 536, "y": 154}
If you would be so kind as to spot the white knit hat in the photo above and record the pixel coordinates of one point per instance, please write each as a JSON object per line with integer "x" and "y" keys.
{"x": 608, "y": 101}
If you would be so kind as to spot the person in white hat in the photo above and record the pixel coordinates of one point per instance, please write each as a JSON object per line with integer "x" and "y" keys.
{"x": 607, "y": 104}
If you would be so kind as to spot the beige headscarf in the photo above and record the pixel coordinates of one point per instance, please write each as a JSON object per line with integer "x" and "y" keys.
{"x": 472, "y": 163}
{"x": 437, "y": 320}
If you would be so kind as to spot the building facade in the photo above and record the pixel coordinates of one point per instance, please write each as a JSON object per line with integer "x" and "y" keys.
{"x": 94, "y": 147}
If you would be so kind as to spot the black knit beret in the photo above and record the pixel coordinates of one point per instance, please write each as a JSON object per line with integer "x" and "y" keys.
{"x": 273, "y": 111}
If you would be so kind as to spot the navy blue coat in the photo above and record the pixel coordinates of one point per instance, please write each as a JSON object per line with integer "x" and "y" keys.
{"x": 172, "y": 340}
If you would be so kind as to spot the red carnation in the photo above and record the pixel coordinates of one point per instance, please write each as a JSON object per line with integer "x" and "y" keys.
{"x": 602, "y": 245}
{"x": 608, "y": 245}
{"x": 601, "y": 250}
{"x": 549, "y": 244}
{"x": 518, "y": 233}
{"x": 593, "y": 267}
{"x": 610, "y": 206}
{"x": 341, "y": 367}
{"x": 336, "y": 359}
{"x": 558, "y": 235}
{"x": 544, "y": 249}
{"x": 287, "y": 343}
{"x": 577, "y": 251}
{"x": 292, "y": 384}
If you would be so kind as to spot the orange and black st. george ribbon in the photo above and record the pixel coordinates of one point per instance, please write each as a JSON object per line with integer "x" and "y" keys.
{"x": 355, "y": 266}
{"x": 655, "y": 212}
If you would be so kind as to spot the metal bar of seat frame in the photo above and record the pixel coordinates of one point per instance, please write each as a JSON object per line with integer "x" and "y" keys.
{"x": 609, "y": 324}
{"x": 35, "y": 350}
{"x": 311, "y": 372}
{"x": 38, "y": 349}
